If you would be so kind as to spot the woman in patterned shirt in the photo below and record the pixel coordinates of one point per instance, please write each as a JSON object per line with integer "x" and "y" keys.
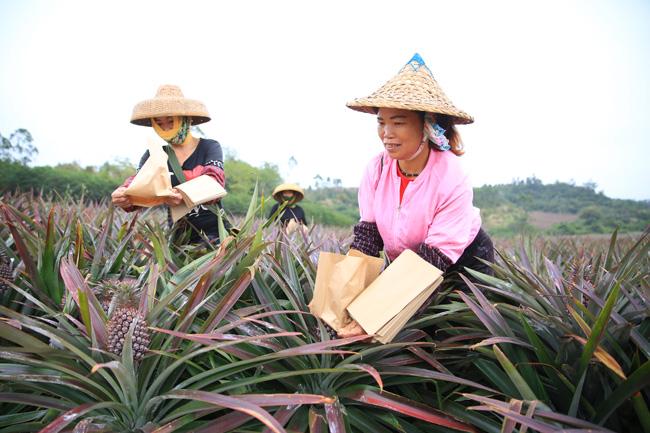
{"x": 172, "y": 115}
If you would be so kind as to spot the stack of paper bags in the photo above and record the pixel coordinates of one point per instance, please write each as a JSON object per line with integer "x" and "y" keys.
{"x": 339, "y": 279}
{"x": 351, "y": 287}
{"x": 152, "y": 184}
{"x": 197, "y": 191}
{"x": 385, "y": 306}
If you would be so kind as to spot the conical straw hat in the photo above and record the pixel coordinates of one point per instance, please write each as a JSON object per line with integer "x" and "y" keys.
{"x": 277, "y": 192}
{"x": 413, "y": 88}
{"x": 169, "y": 101}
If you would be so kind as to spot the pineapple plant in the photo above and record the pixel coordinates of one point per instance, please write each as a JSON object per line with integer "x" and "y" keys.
{"x": 125, "y": 315}
{"x": 6, "y": 272}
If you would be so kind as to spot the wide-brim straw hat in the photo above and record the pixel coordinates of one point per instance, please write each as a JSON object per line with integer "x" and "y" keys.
{"x": 169, "y": 101}
{"x": 413, "y": 88}
{"x": 277, "y": 192}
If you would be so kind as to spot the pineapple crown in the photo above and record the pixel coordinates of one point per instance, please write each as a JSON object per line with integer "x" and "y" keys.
{"x": 124, "y": 292}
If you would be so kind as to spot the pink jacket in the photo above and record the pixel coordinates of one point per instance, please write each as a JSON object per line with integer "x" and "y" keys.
{"x": 436, "y": 208}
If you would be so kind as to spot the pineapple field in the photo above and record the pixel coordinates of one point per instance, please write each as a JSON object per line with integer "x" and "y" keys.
{"x": 108, "y": 326}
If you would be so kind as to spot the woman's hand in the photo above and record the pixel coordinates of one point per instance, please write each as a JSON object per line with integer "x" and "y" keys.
{"x": 120, "y": 199}
{"x": 352, "y": 329}
{"x": 174, "y": 199}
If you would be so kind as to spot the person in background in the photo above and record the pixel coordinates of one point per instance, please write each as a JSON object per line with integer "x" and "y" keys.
{"x": 414, "y": 194}
{"x": 291, "y": 194}
{"x": 172, "y": 115}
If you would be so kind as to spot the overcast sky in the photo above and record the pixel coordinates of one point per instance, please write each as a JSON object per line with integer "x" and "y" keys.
{"x": 559, "y": 89}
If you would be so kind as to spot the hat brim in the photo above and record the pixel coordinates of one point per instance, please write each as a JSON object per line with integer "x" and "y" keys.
{"x": 278, "y": 195}
{"x": 277, "y": 192}
{"x": 371, "y": 105}
{"x": 144, "y": 111}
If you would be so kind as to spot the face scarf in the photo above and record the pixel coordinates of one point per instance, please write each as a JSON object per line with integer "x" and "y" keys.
{"x": 178, "y": 133}
{"x": 290, "y": 199}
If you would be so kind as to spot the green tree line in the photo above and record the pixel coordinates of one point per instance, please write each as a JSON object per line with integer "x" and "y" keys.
{"x": 504, "y": 208}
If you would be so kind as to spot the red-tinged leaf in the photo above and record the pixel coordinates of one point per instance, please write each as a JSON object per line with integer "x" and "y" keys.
{"x": 74, "y": 283}
{"x": 283, "y": 416}
{"x": 172, "y": 426}
{"x": 428, "y": 374}
{"x": 334, "y": 417}
{"x": 264, "y": 400}
{"x": 223, "y": 424}
{"x": 497, "y": 340}
{"x": 230, "y": 403}
{"x": 566, "y": 419}
{"x": 199, "y": 292}
{"x": 34, "y": 400}
{"x": 316, "y": 422}
{"x": 485, "y": 318}
{"x": 387, "y": 400}
{"x": 66, "y": 418}
{"x": 255, "y": 319}
{"x": 429, "y": 359}
{"x": 229, "y": 299}
{"x": 23, "y": 252}
{"x": 209, "y": 339}
{"x": 368, "y": 369}
{"x": 239, "y": 352}
{"x": 488, "y": 308}
{"x": 411, "y": 335}
{"x": 322, "y": 345}
{"x": 401, "y": 360}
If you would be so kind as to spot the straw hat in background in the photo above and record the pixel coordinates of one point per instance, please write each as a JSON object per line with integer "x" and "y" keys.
{"x": 169, "y": 101}
{"x": 277, "y": 192}
{"x": 413, "y": 88}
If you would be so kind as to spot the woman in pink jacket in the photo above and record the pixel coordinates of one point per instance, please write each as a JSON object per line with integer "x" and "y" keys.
{"x": 414, "y": 194}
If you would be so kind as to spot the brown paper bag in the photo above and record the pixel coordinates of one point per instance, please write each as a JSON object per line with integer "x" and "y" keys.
{"x": 199, "y": 190}
{"x": 293, "y": 225}
{"x": 391, "y": 300}
{"x": 152, "y": 183}
{"x": 339, "y": 279}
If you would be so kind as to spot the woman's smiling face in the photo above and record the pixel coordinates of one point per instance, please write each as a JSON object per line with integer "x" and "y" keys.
{"x": 400, "y": 131}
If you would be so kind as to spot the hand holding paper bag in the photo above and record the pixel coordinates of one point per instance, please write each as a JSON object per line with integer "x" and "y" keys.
{"x": 197, "y": 191}
{"x": 393, "y": 298}
{"x": 351, "y": 287}
{"x": 339, "y": 280}
{"x": 152, "y": 185}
